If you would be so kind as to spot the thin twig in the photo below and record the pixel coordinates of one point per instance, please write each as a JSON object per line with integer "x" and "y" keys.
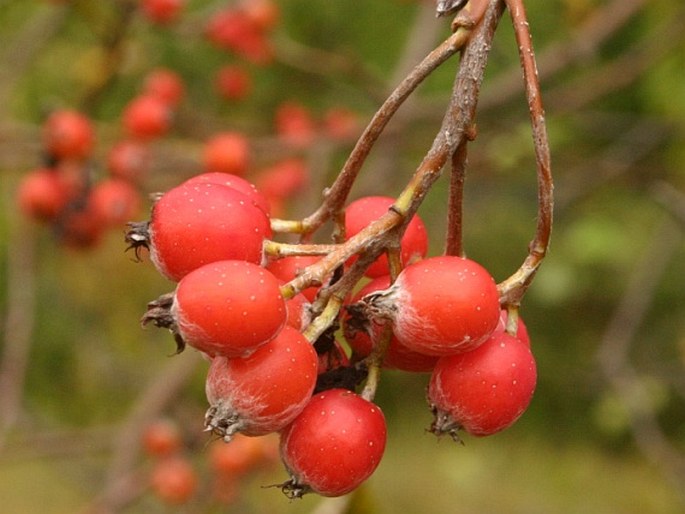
{"x": 455, "y": 129}
{"x": 513, "y": 288}
{"x": 336, "y": 195}
{"x": 454, "y": 244}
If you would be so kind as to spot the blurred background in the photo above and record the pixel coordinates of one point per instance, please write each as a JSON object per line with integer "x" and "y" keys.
{"x": 82, "y": 385}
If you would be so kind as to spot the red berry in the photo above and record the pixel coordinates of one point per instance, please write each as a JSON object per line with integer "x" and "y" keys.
{"x": 80, "y": 230}
{"x": 232, "y": 29}
{"x": 521, "y": 329}
{"x": 263, "y": 14}
{"x": 233, "y": 82}
{"x": 298, "y": 311}
{"x": 228, "y": 152}
{"x": 228, "y": 308}
{"x": 334, "y": 445}
{"x": 162, "y": 438}
{"x": 283, "y": 179}
{"x": 287, "y": 268}
{"x": 341, "y": 124}
{"x": 238, "y": 183}
{"x": 166, "y": 85}
{"x": 43, "y": 194}
{"x": 128, "y": 160}
{"x": 68, "y": 135}
{"x": 263, "y": 392}
{"x": 295, "y": 124}
{"x": 192, "y": 225}
{"x": 115, "y": 202}
{"x": 161, "y": 11}
{"x": 173, "y": 480}
{"x": 240, "y": 456}
{"x": 363, "y": 338}
{"x": 442, "y": 305}
{"x": 360, "y": 213}
{"x": 146, "y": 117}
{"x": 485, "y": 390}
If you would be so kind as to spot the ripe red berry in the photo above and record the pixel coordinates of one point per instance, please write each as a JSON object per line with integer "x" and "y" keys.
{"x": 43, "y": 194}
{"x": 521, "y": 329}
{"x": 287, "y": 268}
{"x": 363, "y": 334}
{"x": 242, "y": 455}
{"x": 295, "y": 124}
{"x": 146, "y": 117}
{"x": 360, "y": 213}
{"x": 442, "y": 305}
{"x": 263, "y": 14}
{"x": 161, "y": 11}
{"x": 238, "y": 183}
{"x": 192, "y": 225}
{"x": 341, "y": 123}
{"x": 485, "y": 390}
{"x": 298, "y": 311}
{"x": 228, "y": 152}
{"x": 284, "y": 179}
{"x": 263, "y": 392}
{"x": 68, "y": 135}
{"x": 174, "y": 480}
{"x": 334, "y": 445}
{"x": 234, "y": 30}
{"x": 166, "y": 85}
{"x": 128, "y": 160}
{"x": 80, "y": 228}
{"x": 233, "y": 82}
{"x": 162, "y": 438}
{"x": 115, "y": 202}
{"x": 228, "y": 308}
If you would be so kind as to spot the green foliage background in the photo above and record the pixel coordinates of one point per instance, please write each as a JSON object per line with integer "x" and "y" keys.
{"x": 617, "y": 137}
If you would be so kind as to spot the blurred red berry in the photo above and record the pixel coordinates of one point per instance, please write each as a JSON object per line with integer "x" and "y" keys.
{"x": 232, "y": 29}
{"x": 162, "y": 438}
{"x": 43, "y": 194}
{"x": 166, "y": 85}
{"x": 146, "y": 117}
{"x": 263, "y": 14}
{"x": 68, "y": 135}
{"x": 227, "y": 152}
{"x": 294, "y": 124}
{"x": 173, "y": 480}
{"x": 283, "y": 179}
{"x": 115, "y": 201}
{"x": 341, "y": 124}
{"x": 161, "y": 11}
{"x": 128, "y": 160}
{"x": 233, "y": 82}
{"x": 80, "y": 228}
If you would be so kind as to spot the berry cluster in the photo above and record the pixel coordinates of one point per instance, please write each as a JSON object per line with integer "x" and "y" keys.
{"x": 252, "y": 307}
{"x": 63, "y": 193}
{"x": 175, "y": 478}
{"x": 297, "y": 332}
{"x": 67, "y": 191}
